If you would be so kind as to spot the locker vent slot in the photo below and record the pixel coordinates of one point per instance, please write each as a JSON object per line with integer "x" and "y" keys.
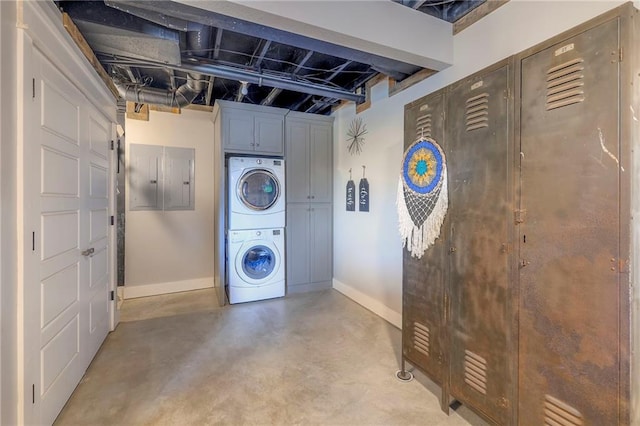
{"x": 557, "y": 413}
{"x": 423, "y": 126}
{"x": 478, "y": 112}
{"x": 565, "y": 84}
{"x": 421, "y": 338}
{"x": 475, "y": 371}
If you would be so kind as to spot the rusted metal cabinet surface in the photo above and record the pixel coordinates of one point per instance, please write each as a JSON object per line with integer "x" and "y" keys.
{"x": 573, "y": 291}
{"x": 526, "y": 308}
{"x": 479, "y": 158}
{"x": 423, "y": 279}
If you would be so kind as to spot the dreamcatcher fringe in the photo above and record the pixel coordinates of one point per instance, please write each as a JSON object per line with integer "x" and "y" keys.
{"x": 418, "y": 239}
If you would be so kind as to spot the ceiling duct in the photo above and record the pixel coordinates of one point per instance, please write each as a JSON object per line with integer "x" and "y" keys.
{"x": 197, "y": 43}
{"x": 115, "y": 32}
{"x": 179, "y": 98}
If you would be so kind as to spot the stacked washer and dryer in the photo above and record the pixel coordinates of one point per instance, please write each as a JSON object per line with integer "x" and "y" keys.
{"x": 256, "y": 221}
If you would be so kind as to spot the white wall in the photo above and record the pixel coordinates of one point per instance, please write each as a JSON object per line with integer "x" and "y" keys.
{"x": 168, "y": 251}
{"x": 8, "y": 203}
{"x": 367, "y": 246}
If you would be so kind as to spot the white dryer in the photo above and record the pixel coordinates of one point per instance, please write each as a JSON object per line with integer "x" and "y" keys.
{"x": 255, "y": 264}
{"x": 256, "y": 193}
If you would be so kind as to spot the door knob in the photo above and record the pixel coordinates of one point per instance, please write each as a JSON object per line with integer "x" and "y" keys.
{"x": 88, "y": 252}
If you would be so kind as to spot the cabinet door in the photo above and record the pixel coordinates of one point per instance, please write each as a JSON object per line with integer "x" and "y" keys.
{"x": 269, "y": 133}
{"x": 479, "y": 158}
{"x": 320, "y": 162}
{"x": 320, "y": 253}
{"x": 569, "y": 355}
{"x": 238, "y": 130}
{"x": 423, "y": 279}
{"x": 297, "y": 244}
{"x": 297, "y": 161}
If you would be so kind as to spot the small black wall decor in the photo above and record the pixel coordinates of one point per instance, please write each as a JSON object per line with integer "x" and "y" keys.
{"x": 351, "y": 194}
{"x": 363, "y": 193}
{"x": 355, "y": 135}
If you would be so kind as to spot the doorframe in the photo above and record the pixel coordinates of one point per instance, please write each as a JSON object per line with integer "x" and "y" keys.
{"x": 114, "y": 314}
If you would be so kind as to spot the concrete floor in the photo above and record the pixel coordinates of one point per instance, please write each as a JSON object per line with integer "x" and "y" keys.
{"x": 316, "y": 358}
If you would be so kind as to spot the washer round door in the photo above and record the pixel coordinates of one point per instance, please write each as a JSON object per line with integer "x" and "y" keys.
{"x": 257, "y": 262}
{"x": 258, "y": 189}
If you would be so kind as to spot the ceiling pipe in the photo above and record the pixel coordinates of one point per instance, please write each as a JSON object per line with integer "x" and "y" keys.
{"x": 196, "y": 65}
{"x": 179, "y": 98}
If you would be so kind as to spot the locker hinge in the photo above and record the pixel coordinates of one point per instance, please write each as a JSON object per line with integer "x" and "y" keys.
{"x": 112, "y": 295}
{"x": 33, "y": 88}
{"x": 113, "y": 220}
{"x": 503, "y": 402}
{"x": 111, "y": 145}
{"x": 520, "y": 215}
{"x": 33, "y": 394}
{"x": 620, "y": 55}
{"x": 446, "y": 307}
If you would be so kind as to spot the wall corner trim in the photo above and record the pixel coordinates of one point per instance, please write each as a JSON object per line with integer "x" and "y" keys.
{"x": 155, "y": 289}
{"x": 386, "y": 313}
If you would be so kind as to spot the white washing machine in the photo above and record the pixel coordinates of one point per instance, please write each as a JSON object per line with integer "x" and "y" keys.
{"x": 255, "y": 264}
{"x": 256, "y": 193}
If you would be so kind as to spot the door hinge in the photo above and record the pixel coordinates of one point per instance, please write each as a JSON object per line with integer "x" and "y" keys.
{"x": 33, "y": 241}
{"x": 620, "y": 55}
{"x": 33, "y": 88}
{"x": 520, "y": 216}
{"x": 111, "y": 145}
{"x": 113, "y": 220}
{"x": 33, "y": 394}
{"x": 112, "y": 295}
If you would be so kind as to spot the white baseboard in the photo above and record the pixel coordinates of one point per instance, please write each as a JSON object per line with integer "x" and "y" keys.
{"x": 133, "y": 291}
{"x": 370, "y": 303}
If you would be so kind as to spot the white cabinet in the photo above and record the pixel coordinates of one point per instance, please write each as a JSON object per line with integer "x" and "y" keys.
{"x": 246, "y": 128}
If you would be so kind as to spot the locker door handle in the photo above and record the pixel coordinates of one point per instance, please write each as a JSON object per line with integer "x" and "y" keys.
{"x": 88, "y": 252}
{"x": 153, "y": 181}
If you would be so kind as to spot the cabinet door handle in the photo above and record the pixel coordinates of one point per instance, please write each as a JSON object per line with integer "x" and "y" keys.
{"x": 88, "y": 252}
{"x": 313, "y": 196}
{"x": 308, "y": 197}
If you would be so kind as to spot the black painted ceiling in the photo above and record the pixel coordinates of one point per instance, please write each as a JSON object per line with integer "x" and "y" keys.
{"x": 155, "y": 45}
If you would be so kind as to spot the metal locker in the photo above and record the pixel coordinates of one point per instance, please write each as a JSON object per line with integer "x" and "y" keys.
{"x": 424, "y": 279}
{"x": 569, "y": 331}
{"x": 479, "y": 158}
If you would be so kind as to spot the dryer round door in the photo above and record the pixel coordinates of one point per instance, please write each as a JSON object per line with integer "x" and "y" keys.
{"x": 258, "y": 189}
{"x": 257, "y": 262}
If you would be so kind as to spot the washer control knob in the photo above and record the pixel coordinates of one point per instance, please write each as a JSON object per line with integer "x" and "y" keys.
{"x": 258, "y": 233}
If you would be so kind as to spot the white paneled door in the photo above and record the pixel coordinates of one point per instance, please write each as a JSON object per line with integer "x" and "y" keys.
{"x": 67, "y": 254}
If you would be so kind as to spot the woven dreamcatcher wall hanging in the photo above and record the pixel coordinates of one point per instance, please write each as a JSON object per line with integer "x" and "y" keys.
{"x": 422, "y": 195}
